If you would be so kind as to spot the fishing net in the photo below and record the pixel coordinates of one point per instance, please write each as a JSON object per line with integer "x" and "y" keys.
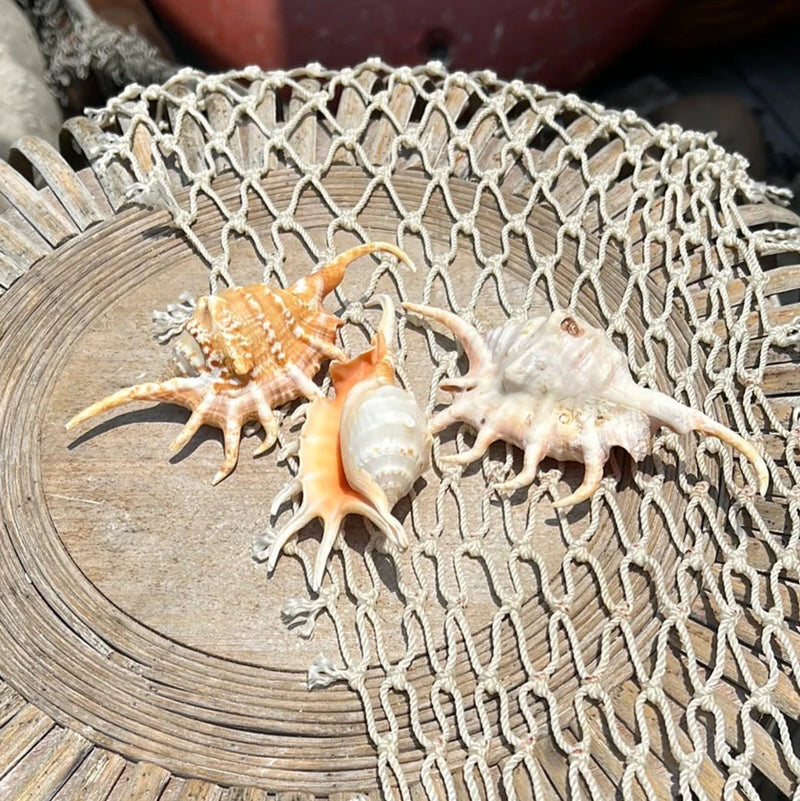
{"x": 641, "y": 645}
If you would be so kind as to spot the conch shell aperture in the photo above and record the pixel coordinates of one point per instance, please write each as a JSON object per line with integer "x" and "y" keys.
{"x": 360, "y": 451}
{"x": 245, "y": 352}
{"x": 555, "y": 386}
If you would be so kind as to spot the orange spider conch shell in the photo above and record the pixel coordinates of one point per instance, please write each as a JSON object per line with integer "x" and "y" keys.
{"x": 360, "y": 451}
{"x": 245, "y": 352}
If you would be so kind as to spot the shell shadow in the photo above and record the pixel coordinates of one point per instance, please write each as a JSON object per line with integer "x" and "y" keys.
{"x": 160, "y": 413}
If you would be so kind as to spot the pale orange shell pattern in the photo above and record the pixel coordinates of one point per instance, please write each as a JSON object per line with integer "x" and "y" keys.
{"x": 246, "y": 351}
{"x": 334, "y": 487}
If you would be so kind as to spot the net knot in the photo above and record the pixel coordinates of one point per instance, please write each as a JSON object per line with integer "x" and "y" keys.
{"x": 474, "y": 547}
{"x": 413, "y": 222}
{"x": 728, "y": 238}
{"x": 285, "y": 221}
{"x": 302, "y": 614}
{"x": 580, "y": 755}
{"x": 787, "y": 335}
{"x": 479, "y": 748}
{"x": 740, "y": 770}
{"x": 788, "y": 559}
{"x": 771, "y": 618}
{"x": 323, "y": 673}
{"x": 169, "y": 323}
{"x": 383, "y": 173}
{"x": 218, "y": 141}
{"x": 238, "y": 221}
{"x": 349, "y": 139}
{"x": 404, "y": 75}
{"x": 623, "y": 610}
{"x": 347, "y": 220}
{"x": 490, "y": 683}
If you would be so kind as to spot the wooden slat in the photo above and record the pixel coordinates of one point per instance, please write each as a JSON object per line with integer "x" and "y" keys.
{"x": 199, "y": 790}
{"x": 140, "y": 782}
{"x": 710, "y": 774}
{"x": 65, "y": 184}
{"x": 784, "y": 693}
{"x": 142, "y": 147}
{"x": 190, "y": 133}
{"x": 546, "y": 159}
{"x": 220, "y": 111}
{"x": 20, "y": 249}
{"x": 761, "y": 214}
{"x": 765, "y": 757}
{"x": 294, "y": 796}
{"x": 20, "y": 734}
{"x": 11, "y": 702}
{"x": 247, "y": 794}
{"x": 51, "y": 765}
{"x": 302, "y": 131}
{"x": 94, "y": 779}
{"x": 613, "y": 765}
{"x": 382, "y": 132}
{"x": 436, "y": 134}
{"x": 779, "y": 280}
{"x": 266, "y": 112}
{"x": 782, "y": 379}
{"x": 481, "y": 128}
{"x": 490, "y": 154}
{"x": 9, "y": 271}
{"x": 352, "y": 106}
{"x": 570, "y": 185}
{"x": 114, "y": 178}
{"x": 44, "y": 215}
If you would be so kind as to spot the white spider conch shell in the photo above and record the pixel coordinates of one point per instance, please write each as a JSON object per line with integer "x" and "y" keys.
{"x": 556, "y": 386}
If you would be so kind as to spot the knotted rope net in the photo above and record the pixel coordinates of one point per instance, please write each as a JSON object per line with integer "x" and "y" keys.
{"x": 642, "y": 645}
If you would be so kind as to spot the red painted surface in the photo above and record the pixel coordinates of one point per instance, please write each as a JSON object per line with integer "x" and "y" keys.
{"x": 555, "y": 42}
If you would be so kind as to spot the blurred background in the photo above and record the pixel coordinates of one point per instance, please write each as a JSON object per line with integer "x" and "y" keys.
{"x": 730, "y": 66}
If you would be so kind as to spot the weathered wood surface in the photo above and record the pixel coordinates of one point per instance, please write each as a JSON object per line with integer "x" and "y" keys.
{"x": 146, "y": 650}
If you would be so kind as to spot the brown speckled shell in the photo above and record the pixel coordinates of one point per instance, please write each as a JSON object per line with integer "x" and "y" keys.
{"x": 245, "y": 352}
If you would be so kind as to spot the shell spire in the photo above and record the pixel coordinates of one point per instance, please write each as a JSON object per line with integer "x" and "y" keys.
{"x": 359, "y": 451}
{"x": 245, "y": 352}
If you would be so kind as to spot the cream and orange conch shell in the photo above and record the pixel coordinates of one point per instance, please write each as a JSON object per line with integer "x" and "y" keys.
{"x": 246, "y": 351}
{"x": 555, "y": 386}
{"x": 360, "y": 451}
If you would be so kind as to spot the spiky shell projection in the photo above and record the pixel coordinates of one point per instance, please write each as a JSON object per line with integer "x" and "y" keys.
{"x": 360, "y": 450}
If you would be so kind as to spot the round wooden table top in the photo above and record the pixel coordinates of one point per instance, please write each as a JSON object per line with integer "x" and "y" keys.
{"x": 145, "y": 654}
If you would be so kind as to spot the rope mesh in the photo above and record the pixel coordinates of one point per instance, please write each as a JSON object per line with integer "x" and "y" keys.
{"x": 509, "y": 650}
